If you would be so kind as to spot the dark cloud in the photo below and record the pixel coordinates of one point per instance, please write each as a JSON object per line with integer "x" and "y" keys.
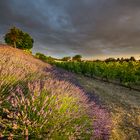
{"x": 99, "y": 28}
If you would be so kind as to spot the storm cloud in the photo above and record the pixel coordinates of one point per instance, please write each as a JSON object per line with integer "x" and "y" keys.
{"x": 93, "y": 28}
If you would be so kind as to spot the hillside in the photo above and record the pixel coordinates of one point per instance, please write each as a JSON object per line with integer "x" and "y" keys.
{"x": 35, "y": 94}
{"x": 39, "y": 101}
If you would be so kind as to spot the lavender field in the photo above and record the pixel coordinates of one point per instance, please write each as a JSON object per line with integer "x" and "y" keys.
{"x": 70, "y": 70}
{"x": 39, "y": 101}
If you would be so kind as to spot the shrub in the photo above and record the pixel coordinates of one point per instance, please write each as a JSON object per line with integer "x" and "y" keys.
{"x": 46, "y": 113}
{"x": 41, "y": 56}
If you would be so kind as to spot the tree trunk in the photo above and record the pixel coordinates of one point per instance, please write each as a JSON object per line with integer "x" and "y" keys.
{"x": 14, "y": 44}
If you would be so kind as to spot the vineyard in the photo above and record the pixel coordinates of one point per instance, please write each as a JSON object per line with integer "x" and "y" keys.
{"x": 125, "y": 73}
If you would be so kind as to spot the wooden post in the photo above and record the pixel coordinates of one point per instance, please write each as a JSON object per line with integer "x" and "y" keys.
{"x": 14, "y": 44}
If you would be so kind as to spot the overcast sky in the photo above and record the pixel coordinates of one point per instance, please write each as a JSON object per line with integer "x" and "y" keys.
{"x": 92, "y": 28}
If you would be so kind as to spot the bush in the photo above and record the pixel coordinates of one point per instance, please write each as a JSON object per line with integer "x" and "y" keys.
{"x": 41, "y": 56}
{"x": 44, "y": 58}
{"x": 46, "y": 113}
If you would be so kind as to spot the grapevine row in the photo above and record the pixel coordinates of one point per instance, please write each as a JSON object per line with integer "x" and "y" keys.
{"x": 127, "y": 73}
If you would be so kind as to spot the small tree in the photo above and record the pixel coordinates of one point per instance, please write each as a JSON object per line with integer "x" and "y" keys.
{"x": 77, "y": 58}
{"x": 66, "y": 58}
{"x": 41, "y": 56}
{"x": 19, "y": 39}
{"x": 132, "y": 58}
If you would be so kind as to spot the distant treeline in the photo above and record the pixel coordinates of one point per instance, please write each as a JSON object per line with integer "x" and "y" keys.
{"x": 50, "y": 59}
{"x": 78, "y": 58}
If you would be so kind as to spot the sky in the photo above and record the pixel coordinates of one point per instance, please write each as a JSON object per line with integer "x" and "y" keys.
{"x": 95, "y": 29}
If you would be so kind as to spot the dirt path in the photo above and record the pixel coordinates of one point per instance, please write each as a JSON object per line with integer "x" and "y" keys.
{"x": 123, "y": 104}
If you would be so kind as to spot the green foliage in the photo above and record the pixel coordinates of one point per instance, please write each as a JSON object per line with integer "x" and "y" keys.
{"x": 110, "y": 60}
{"x": 50, "y": 59}
{"x": 41, "y": 56}
{"x": 126, "y": 72}
{"x": 19, "y": 39}
{"x": 45, "y": 58}
{"x": 77, "y": 58}
{"x": 28, "y": 51}
{"x": 132, "y": 58}
{"x": 66, "y": 58}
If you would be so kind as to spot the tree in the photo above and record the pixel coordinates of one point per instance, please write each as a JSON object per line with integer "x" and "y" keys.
{"x": 66, "y": 58}
{"x": 118, "y": 60}
{"x": 45, "y": 58}
{"x": 41, "y": 56}
{"x": 110, "y": 60}
{"x": 77, "y": 58}
{"x": 132, "y": 58}
{"x": 50, "y": 59}
{"x": 19, "y": 39}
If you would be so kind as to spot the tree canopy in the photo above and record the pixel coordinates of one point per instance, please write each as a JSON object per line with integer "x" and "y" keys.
{"x": 19, "y": 39}
{"x": 67, "y": 58}
{"x": 77, "y": 58}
